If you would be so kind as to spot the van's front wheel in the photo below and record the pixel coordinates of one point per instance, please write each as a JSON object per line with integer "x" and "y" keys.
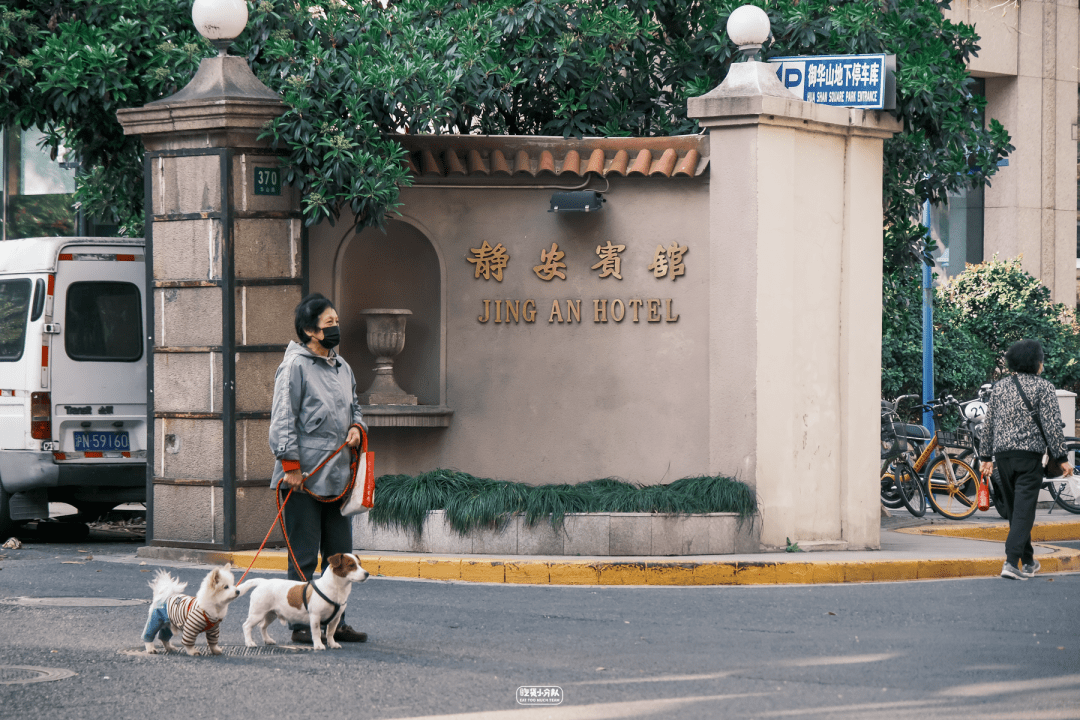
{"x": 7, "y": 525}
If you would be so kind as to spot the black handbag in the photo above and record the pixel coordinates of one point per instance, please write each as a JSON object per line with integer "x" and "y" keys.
{"x": 1052, "y": 466}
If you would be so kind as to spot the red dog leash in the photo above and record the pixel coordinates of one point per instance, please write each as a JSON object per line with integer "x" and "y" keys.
{"x": 354, "y": 465}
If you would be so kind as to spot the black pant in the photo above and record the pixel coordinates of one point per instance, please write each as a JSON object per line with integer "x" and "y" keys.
{"x": 314, "y": 526}
{"x": 1021, "y": 478}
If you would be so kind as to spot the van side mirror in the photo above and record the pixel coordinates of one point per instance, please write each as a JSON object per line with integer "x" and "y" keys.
{"x": 39, "y": 300}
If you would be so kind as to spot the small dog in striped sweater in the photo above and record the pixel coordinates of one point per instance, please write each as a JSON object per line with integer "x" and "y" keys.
{"x": 173, "y": 612}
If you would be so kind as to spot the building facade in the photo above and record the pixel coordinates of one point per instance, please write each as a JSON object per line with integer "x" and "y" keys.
{"x": 1027, "y": 68}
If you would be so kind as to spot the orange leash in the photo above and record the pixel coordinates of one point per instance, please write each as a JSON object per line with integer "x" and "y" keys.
{"x": 280, "y": 518}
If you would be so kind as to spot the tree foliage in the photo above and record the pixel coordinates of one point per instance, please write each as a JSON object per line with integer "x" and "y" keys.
{"x": 977, "y": 315}
{"x": 353, "y": 73}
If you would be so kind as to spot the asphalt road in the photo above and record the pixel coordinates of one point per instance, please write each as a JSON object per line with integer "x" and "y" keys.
{"x": 973, "y": 648}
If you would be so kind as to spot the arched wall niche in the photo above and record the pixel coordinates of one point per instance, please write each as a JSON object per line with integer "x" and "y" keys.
{"x": 398, "y": 268}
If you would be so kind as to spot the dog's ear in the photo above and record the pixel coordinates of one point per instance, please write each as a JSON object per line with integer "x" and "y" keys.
{"x": 335, "y": 560}
{"x": 219, "y": 579}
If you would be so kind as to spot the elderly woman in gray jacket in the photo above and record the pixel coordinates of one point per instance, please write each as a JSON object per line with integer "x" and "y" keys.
{"x": 315, "y": 410}
{"x": 1014, "y": 443}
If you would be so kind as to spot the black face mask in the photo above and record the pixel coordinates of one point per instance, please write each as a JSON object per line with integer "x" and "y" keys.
{"x": 331, "y": 337}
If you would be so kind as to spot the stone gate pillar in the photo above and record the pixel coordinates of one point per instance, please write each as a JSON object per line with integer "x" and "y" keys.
{"x": 795, "y": 336}
{"x": 226, "y": 267}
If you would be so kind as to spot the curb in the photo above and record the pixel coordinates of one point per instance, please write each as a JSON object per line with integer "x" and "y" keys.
{"x": 661, "y": 572}
{"x": 999, "y": 531}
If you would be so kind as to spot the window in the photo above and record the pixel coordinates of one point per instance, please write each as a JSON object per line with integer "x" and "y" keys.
{"x": 103, "y": 322}
{"x": 14, "y": 306}
{"x": 957, "y": 226}
{"x": 37, "y": 188}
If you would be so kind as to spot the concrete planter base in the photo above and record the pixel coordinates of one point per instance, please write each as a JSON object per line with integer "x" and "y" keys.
{"x": 602, "y": 534}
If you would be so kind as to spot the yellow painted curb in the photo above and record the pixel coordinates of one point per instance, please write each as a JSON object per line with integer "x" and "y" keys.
{"x": 482, "y": 571}
{"x": 714, "y": 574}
{"x": 440, "y": 568}
{"x": 755, "y": 573}
{"x": 526, "y": 572}
{"x": 1047, "y": 532}
{"x": 579, "y": 573}
{"x": 664, "y": 573}
{"x": 660, "y": 572}
{"x": 629, "y": 573}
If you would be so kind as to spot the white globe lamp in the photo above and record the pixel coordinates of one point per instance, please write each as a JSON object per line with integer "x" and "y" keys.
{"x": 748, "y": 27}
{"x": 220, "y": 21}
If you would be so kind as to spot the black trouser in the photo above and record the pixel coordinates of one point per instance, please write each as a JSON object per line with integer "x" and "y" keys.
{"x": 314, "y": 526}
{"x": 1021, "y": 478}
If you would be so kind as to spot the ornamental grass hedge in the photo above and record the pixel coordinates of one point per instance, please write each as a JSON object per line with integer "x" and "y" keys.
{"x": 404, "y": 501}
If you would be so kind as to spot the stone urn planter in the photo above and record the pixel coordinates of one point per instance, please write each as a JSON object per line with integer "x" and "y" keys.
{"x": 385, "y": 340}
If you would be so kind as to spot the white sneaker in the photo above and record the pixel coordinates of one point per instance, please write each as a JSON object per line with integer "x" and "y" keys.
{"x": 1012, "y": 572}
{"x": 1032, "y": 568}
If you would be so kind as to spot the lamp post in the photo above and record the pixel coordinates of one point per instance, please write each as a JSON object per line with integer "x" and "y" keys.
{"x": 748, "y": 27}
{"x": 220, "y": 21}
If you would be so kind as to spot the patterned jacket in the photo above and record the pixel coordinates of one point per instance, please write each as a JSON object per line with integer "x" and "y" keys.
{"x": 1008, "y": 426}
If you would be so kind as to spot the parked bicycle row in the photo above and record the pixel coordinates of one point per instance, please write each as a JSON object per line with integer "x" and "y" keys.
{"x": 941, "y": 469}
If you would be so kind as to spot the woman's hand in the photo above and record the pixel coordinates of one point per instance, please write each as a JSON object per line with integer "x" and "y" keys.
{"x": 987, "y": 469}
{"x": 1066, "y": 469}
{"x": 294, "y": 479}
{"x": 353, "y": 439}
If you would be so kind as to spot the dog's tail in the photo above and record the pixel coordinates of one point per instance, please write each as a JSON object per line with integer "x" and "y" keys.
{"x": 249, "y": 585}
{"x": 165, "y": 586}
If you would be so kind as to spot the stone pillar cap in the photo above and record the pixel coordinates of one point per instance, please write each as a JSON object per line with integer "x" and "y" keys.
{"x": 221, "y": 78}
{"x": 224, "y": 95}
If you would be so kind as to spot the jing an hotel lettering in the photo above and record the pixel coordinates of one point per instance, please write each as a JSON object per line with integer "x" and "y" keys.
{"x": 569, "y": 311}
{"x": 665, "y": 264}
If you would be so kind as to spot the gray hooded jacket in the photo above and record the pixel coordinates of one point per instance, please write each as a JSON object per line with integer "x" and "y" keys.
{"x": 314, "y": 406}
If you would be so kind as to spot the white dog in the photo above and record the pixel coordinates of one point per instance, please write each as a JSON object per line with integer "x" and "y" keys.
{"x": 314, "y": 602}
{"x": 173, "y": 612}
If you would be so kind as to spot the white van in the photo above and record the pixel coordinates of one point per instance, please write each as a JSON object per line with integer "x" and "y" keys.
{"x": 72, "y": 375}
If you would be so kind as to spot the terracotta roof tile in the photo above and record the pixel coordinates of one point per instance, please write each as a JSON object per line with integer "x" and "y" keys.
{"x": 476, "y": 163}
{"x": 688, "y": 164}
{"x": 547, "y": 162}
{"x": 642, "y": 163}
{"x": 484, "y": 155}
{"x": 619, "y": 163}
{"x": 498, "y": 163}
{"x": 666, "y": 164}
{"x": 571, "y": 163}
{"x": 522, "y": 164}
{"x": 453, "y": 163}
{"x": 428, "y": 164}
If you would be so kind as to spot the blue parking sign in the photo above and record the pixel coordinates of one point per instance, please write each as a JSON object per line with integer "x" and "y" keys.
{"x": 858, "y": 81}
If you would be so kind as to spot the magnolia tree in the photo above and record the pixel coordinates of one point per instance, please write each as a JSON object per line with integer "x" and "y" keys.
{"x": 352, "y": 73}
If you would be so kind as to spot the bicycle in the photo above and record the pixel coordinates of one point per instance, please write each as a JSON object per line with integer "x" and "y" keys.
{"x": 900, "y": 484}
{"x": 947, "y": 483}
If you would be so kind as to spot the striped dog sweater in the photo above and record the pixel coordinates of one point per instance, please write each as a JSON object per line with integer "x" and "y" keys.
{"x": 184, "y": 612}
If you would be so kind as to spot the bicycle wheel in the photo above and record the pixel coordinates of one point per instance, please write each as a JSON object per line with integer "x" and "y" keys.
{"x": 956, "y": 498}
{"x": 910, "y": 489}
{"x": 1066, "y": 490}
{"x": 890, "y": 496}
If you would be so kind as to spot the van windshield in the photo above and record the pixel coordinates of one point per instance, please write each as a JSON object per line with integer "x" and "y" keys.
{"x": 104, "y": 322}
{"x": 14, "y": 306}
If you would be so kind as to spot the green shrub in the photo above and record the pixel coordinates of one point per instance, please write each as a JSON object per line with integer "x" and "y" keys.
{"x": 404, "y": 501}
{"x": 998, "y": 302}
{"x": 977, "y": 315}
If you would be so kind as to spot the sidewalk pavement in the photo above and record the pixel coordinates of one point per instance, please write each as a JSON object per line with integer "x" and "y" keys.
{"x": 911, "y": 549}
